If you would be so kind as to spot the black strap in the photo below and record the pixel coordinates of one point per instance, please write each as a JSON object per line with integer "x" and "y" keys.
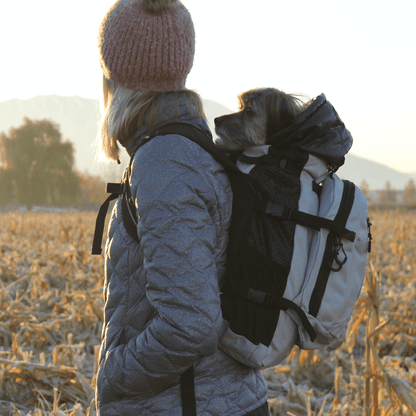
{"x": 188, "y": 393}
{"x": 116, "y": 190}
{"x": 128, "y": 208}
{"x": 196, "y": 135}
{"x": 313, "y": 220}
{"x": 370, "y": 237}
{"x": 347, "y": 201}
{"x": 286, "y": 304}
{"x": 307, "y": 220}
{"x": 191, "y": 132}
{"x": 129, "y": 215}
{"x": 278, "y": 302}
{"x": 255, "y": 160}
{"x": 287, "y": 164}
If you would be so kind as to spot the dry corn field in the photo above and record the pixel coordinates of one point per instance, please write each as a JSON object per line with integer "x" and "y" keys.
{"x": 51, "y": 315}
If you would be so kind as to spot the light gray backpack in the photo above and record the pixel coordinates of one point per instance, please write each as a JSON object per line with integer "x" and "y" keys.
{"x": 299, "y": 271}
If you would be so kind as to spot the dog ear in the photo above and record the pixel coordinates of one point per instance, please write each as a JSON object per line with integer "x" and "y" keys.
{"x": 279, "y": 112}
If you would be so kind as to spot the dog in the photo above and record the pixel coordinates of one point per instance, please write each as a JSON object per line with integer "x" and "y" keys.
{"x": 262, "y": 113}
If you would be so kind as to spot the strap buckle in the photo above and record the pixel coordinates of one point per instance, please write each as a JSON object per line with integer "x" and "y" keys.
{"x": 277, "y": 210}
{"x": 268, "y": 301}
{"x": 262, "y": 298}
{"x": 115, "y": 188}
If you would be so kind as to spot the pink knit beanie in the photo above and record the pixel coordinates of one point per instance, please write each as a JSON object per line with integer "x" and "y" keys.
{"x": 147, "y": 45}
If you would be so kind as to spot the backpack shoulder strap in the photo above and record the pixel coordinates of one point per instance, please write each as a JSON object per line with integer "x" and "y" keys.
{"x": 204, "y": 140}
{"x": 191, "y": 132}
{"x": 128, "y": 207}
{"x": 196, "y": 135}
{"x": 188, "y": 393}
{"x": 115, "y": 189}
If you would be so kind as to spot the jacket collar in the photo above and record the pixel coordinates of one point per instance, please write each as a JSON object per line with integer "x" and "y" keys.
{"x": 167, "y": 115}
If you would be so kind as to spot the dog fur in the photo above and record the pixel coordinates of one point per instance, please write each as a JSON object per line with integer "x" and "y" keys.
{"x": 263, "y": 112}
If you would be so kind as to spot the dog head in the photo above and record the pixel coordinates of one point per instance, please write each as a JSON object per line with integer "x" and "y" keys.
{"x": 262, "y": 113}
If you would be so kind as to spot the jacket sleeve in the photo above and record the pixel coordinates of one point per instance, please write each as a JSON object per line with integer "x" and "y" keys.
{"x": 174, "y": 199}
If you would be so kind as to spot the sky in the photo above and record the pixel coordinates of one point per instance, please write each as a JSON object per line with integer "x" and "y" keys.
{"x": 360, "y": 53}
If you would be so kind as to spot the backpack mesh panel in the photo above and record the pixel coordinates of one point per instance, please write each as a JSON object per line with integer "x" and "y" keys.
{"x": 272, "y": 236}
{"x": 263, "y": 258}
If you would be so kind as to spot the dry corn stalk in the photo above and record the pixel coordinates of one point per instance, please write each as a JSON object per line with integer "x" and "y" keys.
{"x": 50, "y": 288}
{"x": 371, "y": 381}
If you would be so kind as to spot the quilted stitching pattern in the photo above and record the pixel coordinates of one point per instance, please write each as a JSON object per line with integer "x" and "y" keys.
{"x": 162, "y": 311}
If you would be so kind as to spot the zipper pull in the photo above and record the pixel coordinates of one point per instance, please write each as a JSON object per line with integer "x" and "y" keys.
{"x": 370, "y": 237}
{"x": 336, "y": 246}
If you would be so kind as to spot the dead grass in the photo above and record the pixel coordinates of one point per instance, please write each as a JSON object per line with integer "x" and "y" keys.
{"x": 51, "y": 317}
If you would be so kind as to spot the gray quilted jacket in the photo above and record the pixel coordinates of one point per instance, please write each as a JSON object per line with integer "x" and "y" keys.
{"x": 162, "y": 304}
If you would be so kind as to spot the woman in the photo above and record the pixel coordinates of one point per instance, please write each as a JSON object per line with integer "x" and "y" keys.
{"x": 162, "y": 312}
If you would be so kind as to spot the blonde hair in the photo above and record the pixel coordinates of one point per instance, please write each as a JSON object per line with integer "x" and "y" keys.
{"x": 126, "y": 110}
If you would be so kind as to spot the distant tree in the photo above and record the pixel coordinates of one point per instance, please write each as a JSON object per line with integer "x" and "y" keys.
{"x": 41, "y": 164}
{"x": 409, "y": 193}
{"x": 5, "y": 162}
{"x": 388, "y": 195}
{"x": 93, "y": 189}
{"x": 365, "y": 189}
{"x": 6, "y": 190}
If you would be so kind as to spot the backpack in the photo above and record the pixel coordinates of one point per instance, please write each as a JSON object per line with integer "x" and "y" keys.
{"x": 297, "y": 251}
{"x": 300, "y": 264}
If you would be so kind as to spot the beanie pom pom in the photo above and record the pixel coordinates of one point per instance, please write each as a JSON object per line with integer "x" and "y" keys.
{"x": 159, "y": 6}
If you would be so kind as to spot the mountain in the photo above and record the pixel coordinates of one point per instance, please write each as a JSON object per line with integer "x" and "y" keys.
{"x": 357, "y": 169}
{"x": 412, "y": 174}
{"x": 79, "y": 120}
